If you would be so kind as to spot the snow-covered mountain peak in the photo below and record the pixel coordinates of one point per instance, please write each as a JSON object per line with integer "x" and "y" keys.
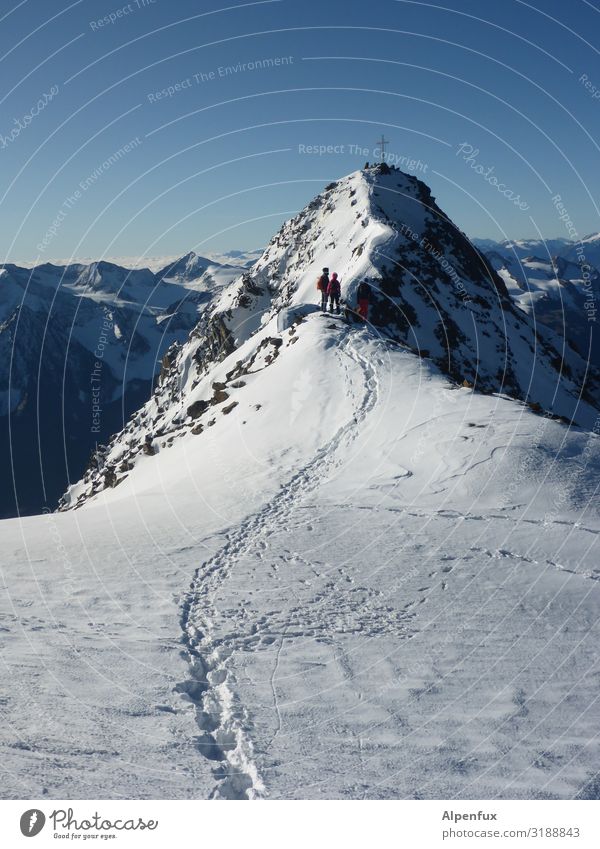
{"x": 344, "y": 229}
{"x": 321, "y": 536}
{"x": 110, "y": 279}
{"x": 434, "y": 294}
{"x": 188, "y": 267}
{"x": 432, "y": 289}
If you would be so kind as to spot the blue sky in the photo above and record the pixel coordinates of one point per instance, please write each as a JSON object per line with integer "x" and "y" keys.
{"x": 222, "y": 160}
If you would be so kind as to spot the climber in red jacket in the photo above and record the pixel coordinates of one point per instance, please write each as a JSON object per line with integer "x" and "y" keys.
{"x": 334, "y": 290}
{"x": 363, "y": 296}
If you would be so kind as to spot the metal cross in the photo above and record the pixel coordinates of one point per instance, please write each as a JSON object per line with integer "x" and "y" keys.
{"x": 382, "y": 143}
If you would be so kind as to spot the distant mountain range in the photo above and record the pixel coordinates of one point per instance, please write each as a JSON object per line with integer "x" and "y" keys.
{"x": 545, "y": 248}
{"x": 557, "y": 282}
{"x": 157, "y": 263}
{"x": 80, "y": 346}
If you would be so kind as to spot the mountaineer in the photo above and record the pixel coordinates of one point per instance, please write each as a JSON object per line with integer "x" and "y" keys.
{"x": 334, "y": 290}
{"x": 363, "y": 296}
{"x": 322, "y": 286}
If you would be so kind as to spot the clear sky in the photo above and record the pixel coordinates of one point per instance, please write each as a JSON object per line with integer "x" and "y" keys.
{"x": 99, "y": 158}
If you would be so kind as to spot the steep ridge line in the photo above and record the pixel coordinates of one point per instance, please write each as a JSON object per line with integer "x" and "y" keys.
{"x": 222, "y": 721}
{"x": 434, "y": 294}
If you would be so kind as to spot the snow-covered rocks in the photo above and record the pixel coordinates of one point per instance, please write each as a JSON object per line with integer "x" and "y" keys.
{"x": 433, "y": 292}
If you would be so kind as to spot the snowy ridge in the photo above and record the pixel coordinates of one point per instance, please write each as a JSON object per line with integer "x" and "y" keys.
{"x": 325, "y": 560}
{"x": 433, "y": 292}
{"x": 384, "y": 585}
{"x": 293, "y": 409}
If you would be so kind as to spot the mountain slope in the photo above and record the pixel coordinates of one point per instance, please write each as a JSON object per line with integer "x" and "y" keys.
{"x": 433, "y": 293}
{"x": 314, "y": 564}
{"x": 360, "y": 582}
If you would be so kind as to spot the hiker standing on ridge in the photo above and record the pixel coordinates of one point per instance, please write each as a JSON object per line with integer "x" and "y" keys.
{"x": 363, "y": 296}
{"x": 334, "y": 290}
{"x": 322, "y": 286}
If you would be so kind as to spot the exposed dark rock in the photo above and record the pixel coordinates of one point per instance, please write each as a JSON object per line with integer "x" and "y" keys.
{"x": 197, "y": 408}
{"x": 168, "y": 361}
{"x": 220, "y": 396}
{"x": 217, "y": 342}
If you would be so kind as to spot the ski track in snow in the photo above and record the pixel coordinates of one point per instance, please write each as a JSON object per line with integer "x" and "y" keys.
{"x": 223, "y": 723}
